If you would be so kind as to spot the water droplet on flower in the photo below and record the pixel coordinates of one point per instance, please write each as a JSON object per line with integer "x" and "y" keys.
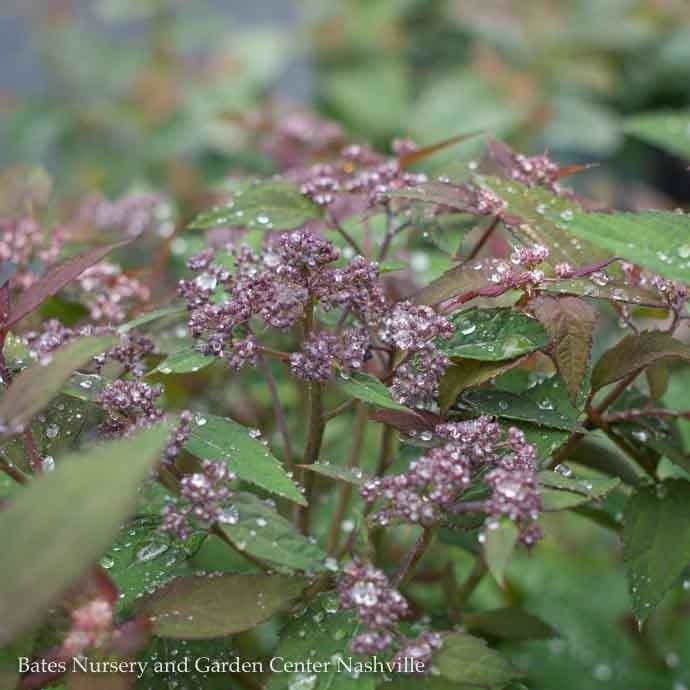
{"x": 52, "y": 430}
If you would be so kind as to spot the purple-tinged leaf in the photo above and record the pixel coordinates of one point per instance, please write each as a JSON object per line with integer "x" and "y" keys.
{"x": 203, "y": 607}
{"x": 634, "y": 353}
{"x": 570, "y": 322}
{"x": 39, "y": 383}
{"x": 56, "y": 278}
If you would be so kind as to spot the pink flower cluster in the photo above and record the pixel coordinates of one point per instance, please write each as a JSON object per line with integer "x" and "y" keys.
{"x": 23, "y": 244}
{"x": 277, "y": 287}
{"x": 414, "y": 329}
{"x": 129, "y": 405}
{"x": 203, "y": 500}
{"x": 435, "y": 482}
{"x": 109, "y": 294}
{"x": 379, "y": 607}
{"x": 91, "y": 627}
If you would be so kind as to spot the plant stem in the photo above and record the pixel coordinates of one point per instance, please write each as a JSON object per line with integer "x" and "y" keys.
{"x": 466, "y": 589}
{"x": 278, "y": 410}
{"x": 12, "y": 471}
{"x": 482, "y": 240}
{"x": 343, "y": 500}
{"x": 317, "y": 424}
{"x": 414, "y": 556}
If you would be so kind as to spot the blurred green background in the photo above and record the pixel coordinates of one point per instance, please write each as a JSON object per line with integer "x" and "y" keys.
{"x": 173, "y": 95}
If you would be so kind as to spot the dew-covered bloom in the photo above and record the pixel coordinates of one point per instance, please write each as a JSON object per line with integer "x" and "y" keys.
{"x": 379, "y": 608}
{"x": 378, "y": 605}
{"x": 414, "y": 328}
{"x": 535, "y": 170}
{"x": 322, "y": 351}
{"x": 129, "y": 405}
{"x": 435, "y": 482}
{"x": 24, "y": 244}
{"x": 420, "y": 650}
{"x": 178, "y": 438}
{"x": 564, "y": 270}
{"x": 356, "y": 287}
{"x": 109, "y": 294}
{"x": 91, "y": 625}
{"x": 131, "y": 351}
{"x": 133, "y": 214}
{"x": 485, "y": 202}
{"x": 416, "y": 380}
{"x": 530, "y": 256}
{"x": 276, "y": 287}
{"x": 203, "y": 501}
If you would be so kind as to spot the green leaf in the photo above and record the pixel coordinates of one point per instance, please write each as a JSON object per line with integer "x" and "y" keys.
{"x": 264, "y": 534}
{"x": 656, "y": 541}
{"x": 468, "y": 661}
{"x": 272, "y": 205}
{"x": 545, "y": 404}
{"x": 635, "y": 352}
{"x": 150, "y": 316}
{"x": 322, "y": 634}
{"x": 141, "y": 559}
{"x": 493, "y": 334}
{"x": 657, "y": 240}
{"x": 559, "y": 492}
{"x": 570, "y": 322}
{"x": 39, "y": 383}
{"x": 466, "y": 373}
{"x": 370, "y": 390}
{"x": 186, "y": 361}
{"x": 351, "y": 475}
{"x": 500, "y": 543}
{"x": 52, "y": 531}
{"x": 200, "y": 607}
{"x": 538, "y": 216}
{"x": 669, "y": 130}
{"x": 214, "y": 437}
{"x": 508, "y": 624}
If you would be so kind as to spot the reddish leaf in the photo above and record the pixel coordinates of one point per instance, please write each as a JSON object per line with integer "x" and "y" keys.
{"x": 54, "y": 280}
{"x": 465, "y": 373}
{"x": 406, "y": 421}
{"x": 570, "y": 322}
{"x": 426, "y": 151}
{"x": 634, "y": 353}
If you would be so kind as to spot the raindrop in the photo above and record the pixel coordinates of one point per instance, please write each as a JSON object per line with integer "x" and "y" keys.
{"x": 52, "y": 430}
{"x": 151, "y": 551}
{"x": 48, "y": 463}
{"x": 563, "y": 469}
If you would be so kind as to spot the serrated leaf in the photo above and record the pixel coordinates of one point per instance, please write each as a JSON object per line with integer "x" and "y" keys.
{"x": 141, "y": 559}
{"x": 261, "y": 532}
{"x": 214, "y": 437}
{"x": 272, "y": 205}
{"x": 52, "y": 531}
{"x": 36, "y": 385}
{"x": 198, "y": 607}
{"x": 493, "y": 334}
{"x": 322, "y": 634}
{"x": 545, "y": 404}
{"x": 54, "y": 280}
{"x": 559, "y": 492}
{"x": 150, "y": 316}
{"x": 569, "y": 323}
{"x": 669, "y": 130}
{"x": 500, "y": 543}
{"x": 657, "y": 240}
{"x": 656, "y": 542}
{"x": 508, "y": 624}
{"x": 186, "y": 361}
{"x": 466, "y": 373}
{"x": 635, "y": 352}
{"x": 468, "y": 661}
{"x": 351, "y": 475}
{"x": 538, "y": 216}
{"x": 370, "y": 390}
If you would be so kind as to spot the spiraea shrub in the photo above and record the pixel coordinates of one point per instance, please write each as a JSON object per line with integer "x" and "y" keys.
{"x": 304, "y": 426}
